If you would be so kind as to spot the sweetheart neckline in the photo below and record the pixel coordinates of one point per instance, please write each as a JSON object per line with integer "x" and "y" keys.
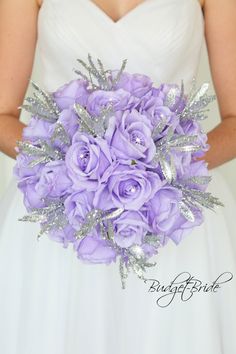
{"x": 131, "y": 12}
{"x": 127, "y": 14}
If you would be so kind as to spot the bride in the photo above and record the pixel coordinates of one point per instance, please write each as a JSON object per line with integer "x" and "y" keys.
{"x": 50, "y": 302}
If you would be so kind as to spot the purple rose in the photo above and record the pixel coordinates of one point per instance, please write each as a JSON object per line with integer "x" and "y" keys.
{"x": 71, "y": 92}
{"x": 21, "y": 169}
{"x": 69, "y": 119}
{"x": 130, "y": 228}
{"x": 64, "y": 236}
{"x": 94, "y": 250}
{"x": 196, "y": 168}
{"x": 162, "y": 92}
{"x": 130, "y": 136}
{"x": 77, "y": 205}
{"x": 120, "y": 99}
{"x": 87, "y": 159}
{"x": 137, "y": 84}
{"x": 31, "y": 197}
{"x": 165, "y": 217}
{"x": 54, "y": 181}
{"x": 191, "y": 127}
{"x": 27, "y": 178}
{"x": 126, "y": 187}
{"x": 36, "y": 129}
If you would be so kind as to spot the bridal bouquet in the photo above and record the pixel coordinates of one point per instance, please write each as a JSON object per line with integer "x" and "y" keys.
{"x": 110, "y": 163}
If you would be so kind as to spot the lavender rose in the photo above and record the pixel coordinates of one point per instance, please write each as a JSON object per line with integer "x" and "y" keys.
{"x": 54, "y": 181}
{"x": 27, "y": 178}
{"x": 162, "y": 92}
{"x": 86, "y": 160}
{"x": 126, "y": 187}
{"x": 130, "y": 136}
{"x": 71, "y": 92}
{"x": 137, "y": 84}
{"x": 69, "y": 119}
{"x": 36, "y": 129}
{"x": 165, "y": 217}
{"x": 92, "y": 249}
{"x": 77, "y": 205}
{"x": 130, "y": 228}
{"x": 120, "y": 99}
{"x": 31, "y": 197}
{"x": 65, "y": 236}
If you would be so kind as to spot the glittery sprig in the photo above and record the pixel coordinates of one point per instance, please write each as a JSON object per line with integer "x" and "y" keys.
{"x": 42, "y": 105}
{"x": 100, "y": 75}
{"x": 41, "y": 151}
{"x": 195, "y": 199}
{"x": 93, "y": 125}
{"x": 197, "y": 100}
{"x": 51, "y": 217}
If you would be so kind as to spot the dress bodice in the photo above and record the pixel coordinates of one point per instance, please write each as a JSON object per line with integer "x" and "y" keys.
{"x": 161, "y": 38}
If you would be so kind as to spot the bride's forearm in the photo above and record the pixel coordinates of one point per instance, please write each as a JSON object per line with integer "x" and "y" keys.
{"x": 222, "y": 141}
{"x": 10, "y": 131}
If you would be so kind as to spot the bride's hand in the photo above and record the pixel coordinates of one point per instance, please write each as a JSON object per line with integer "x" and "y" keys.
{"x": 18, "y": 36}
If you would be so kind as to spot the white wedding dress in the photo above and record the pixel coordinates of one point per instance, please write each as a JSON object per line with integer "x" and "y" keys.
{"x": 52, "y": 303}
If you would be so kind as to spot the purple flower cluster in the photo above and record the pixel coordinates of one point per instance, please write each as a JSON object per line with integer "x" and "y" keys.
{"x": 139, "y": 165}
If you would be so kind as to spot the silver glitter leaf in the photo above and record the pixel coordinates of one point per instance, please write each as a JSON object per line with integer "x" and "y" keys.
{"x": 113, "y": 214}
{"x": 188, "y": 148}
{"x": 51, "y": 216}
{"x": 197, "y": 197}
{"x": 117, "y": 77}
{"x": 102, "y": 76}
{"x": 85, "y": 119}
{"x": 44, "y": 151}
{"x": 151, "y": 239}
{"x": 96, "y": 217}
{"x": 42, "y": 105}
{"x": 170, "y": 98}
{"x": 186, "y": 211}
{"x": 168, "y": 169}
{"x": 197, "y": 100}
{"x": 201, "y": 180}
{"x": 159, "y": 128}
{"x": 123, "y": 272}
{"x": 60, "y": 134}
{"x": 199, "y": 94}
{"x": 182, "y": 140}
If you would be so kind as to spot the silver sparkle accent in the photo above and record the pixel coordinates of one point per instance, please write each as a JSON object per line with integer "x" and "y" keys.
{"x": 96, "y": 217}
{"x": 197, "y": 100}
{"x": 60, "y": 134}
{"x": 40, "y": 149}
{"x": 164, "y": 151}
{"x": 186, "y": 211}
{"x": 171, "y": 96}
{"x": 137, "y": 261}
{"x": 99, "y": 74}
{"x": 50, "y": 217}
{"x": 152, "y": 239}
{"x": 168, "y": 169}
{"x": 199, "y": 180}
{"x": 42, "y": 105}
{"x": 194, "y": 199}
{"x": 159, "y": 128}
{"x": 96, "y": 126}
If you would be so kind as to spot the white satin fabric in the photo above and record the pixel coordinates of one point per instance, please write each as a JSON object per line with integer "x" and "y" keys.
{"x": 50, "y": 302}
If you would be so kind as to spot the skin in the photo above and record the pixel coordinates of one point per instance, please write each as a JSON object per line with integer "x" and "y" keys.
{"x": 18, "y": 38}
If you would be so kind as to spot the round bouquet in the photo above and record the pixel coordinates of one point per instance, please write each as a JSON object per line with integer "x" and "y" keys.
{"x": 111, "y": 164}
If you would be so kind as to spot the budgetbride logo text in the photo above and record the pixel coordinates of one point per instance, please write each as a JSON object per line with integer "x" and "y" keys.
{"x": 185, "y": 286}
